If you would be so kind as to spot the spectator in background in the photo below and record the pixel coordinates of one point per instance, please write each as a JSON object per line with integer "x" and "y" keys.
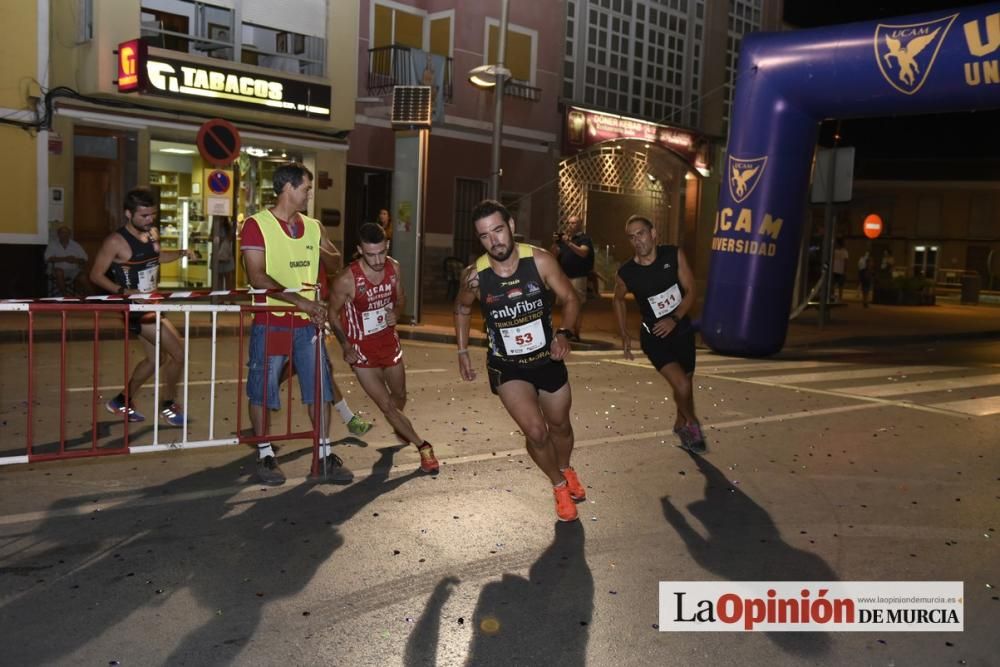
{"x": 385, "y": 222}
{"x": 887, "y": 262}
{"x": 865, "y": 278}
{"x": 225, "y": 261}
{"x": 575, "y": 251}
{"x": 65, "y": 259}
{"x": 840, "y": 258}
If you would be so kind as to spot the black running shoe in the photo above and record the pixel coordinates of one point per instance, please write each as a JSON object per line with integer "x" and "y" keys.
{"x": 268, "y": 472}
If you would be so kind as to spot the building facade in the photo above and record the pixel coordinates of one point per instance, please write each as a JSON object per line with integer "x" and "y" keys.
{"x": 123, "y": 89}
{"x": 437, "y": 43}
{"x": 663, "y": 71}
{"x": 940, "y": 230}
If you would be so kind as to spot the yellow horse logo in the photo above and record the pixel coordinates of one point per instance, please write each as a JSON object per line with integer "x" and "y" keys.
{"x": 744, "y": 175}
{"x": 906, "y": 53}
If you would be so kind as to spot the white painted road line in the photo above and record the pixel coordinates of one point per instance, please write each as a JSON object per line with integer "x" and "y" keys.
{"x": 858, "y": 374}
{"x": 924, "y": 386}
{"x": 752, "y": 367}
{"x": 979, "y": 407}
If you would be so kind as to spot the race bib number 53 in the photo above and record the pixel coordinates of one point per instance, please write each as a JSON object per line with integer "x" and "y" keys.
{"x": 523, "y": 339}
{"x": 666, "y": 302}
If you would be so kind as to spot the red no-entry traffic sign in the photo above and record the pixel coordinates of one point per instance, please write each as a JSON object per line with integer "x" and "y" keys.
{"x": 872, "y": 226}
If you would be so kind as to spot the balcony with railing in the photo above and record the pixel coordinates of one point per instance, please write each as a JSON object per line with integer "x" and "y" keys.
{"x": 194, "y": 27}
{"x": 395, "y": 65}
{"x": 521, "y": 90}
{"x": 390, "y": 66}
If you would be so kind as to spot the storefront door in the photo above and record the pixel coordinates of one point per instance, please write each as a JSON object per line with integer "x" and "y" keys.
{"x": 97, "y": 186}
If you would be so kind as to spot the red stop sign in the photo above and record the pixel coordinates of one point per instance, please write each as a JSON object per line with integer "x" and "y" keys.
{"x": 872, "y": 226}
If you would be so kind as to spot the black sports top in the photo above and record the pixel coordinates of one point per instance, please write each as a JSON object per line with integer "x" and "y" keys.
{"x": 142, "y": 271}
{"x": 517, "y": 311}
{"x": 656, "y": 286}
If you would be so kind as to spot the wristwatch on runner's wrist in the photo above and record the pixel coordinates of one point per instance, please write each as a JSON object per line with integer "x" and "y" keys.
{"x": 565, "y": 332}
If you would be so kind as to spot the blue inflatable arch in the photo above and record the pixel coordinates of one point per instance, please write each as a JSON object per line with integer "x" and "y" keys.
{"x": 788, "y": 82}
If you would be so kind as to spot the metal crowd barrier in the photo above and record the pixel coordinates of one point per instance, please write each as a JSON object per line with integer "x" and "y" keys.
{"x": 63, "y": 448}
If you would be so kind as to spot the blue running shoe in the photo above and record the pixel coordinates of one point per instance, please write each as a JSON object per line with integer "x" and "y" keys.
{"x": 116, "y": 406}
{"x": 173, "y": 415}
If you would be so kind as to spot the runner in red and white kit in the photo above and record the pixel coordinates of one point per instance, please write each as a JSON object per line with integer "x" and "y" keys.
{"x": 365, "y": 304}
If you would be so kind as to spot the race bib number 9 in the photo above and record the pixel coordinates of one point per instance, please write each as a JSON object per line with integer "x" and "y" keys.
{"x": 374, "y": 321}
{"x": 523, "y": 339}
{"x": 665, "y": 303}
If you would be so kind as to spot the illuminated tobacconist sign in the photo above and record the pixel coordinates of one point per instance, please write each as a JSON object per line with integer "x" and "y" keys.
{"x": 584, "y": 128}
{"x": 155, "y": 75}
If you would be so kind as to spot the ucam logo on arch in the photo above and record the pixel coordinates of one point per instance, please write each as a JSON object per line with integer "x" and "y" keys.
{"x": 744, "y": 175}
{"x": 906, "y": 53}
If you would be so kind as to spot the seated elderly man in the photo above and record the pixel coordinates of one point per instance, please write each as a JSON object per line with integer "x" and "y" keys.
{"x": 66, "y": 259}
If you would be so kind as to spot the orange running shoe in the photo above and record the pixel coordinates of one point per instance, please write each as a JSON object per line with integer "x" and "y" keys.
{"x": 576, "y": 490}
{"x": 428, "y": 463}
{"x": 565, "y": 507}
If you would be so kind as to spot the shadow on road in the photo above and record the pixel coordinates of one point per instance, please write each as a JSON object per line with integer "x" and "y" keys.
{"x": 231, "y": 555}
{"x": 541, "y": 620}
{"x": 743, "y": 544}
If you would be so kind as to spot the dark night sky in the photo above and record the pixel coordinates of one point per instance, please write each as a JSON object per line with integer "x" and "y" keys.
{"x": 950, "y": 137}
{"x": 813, "y": 13}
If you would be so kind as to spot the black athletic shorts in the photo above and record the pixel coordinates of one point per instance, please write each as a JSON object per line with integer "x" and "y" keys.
{"x": 548, "y": 377}
{"x": 677, "y": 347}
{"x": 136, "y": 320}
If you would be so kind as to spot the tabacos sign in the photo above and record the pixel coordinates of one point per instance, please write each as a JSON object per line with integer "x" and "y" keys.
{"x": 167, "y": 77}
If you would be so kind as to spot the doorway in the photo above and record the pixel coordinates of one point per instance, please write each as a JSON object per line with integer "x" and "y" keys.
{"x": 99, "y": 157}
{"x": 368, "y": 190}
{"x": 924, "y": 263}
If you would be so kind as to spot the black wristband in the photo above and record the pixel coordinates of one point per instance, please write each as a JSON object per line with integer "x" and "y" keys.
{"x": 565, "y": 332}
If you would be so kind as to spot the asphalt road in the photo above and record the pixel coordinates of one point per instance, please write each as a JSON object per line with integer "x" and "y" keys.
{"x": 846, "y": 464}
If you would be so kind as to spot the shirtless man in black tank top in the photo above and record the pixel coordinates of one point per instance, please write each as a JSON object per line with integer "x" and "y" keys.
{"x": 129, "y": 263}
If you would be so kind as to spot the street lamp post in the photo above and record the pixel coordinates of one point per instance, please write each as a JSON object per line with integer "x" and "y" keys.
{"x": 494, "y": 76}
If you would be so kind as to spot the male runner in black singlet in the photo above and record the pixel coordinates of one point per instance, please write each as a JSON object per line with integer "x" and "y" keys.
{"x": 129, "y": 263}
{"x": 513, "y": 282}
{"x": 661, "y": 280}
